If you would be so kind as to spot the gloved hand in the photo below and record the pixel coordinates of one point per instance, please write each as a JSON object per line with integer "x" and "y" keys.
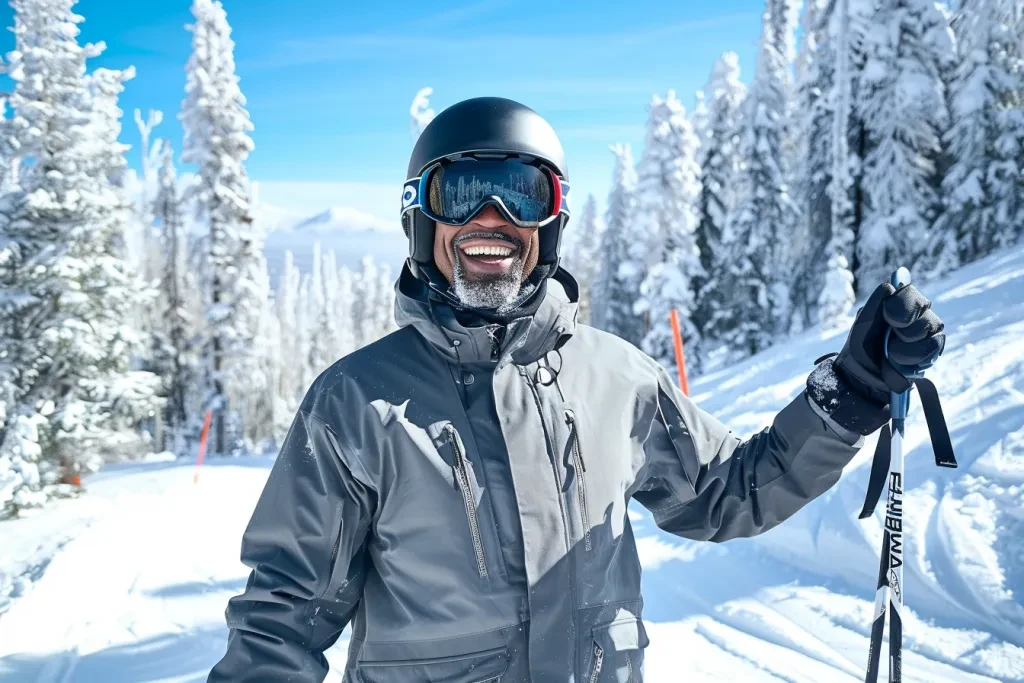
{"x": 917, "y": 340}
{"x": 861, "y": 369}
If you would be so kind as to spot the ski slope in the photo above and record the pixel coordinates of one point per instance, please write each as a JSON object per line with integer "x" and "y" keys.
{"x": 129, "y": 583}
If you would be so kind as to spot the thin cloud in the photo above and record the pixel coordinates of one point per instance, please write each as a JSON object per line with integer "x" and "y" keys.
{"x": 395, "y": 45}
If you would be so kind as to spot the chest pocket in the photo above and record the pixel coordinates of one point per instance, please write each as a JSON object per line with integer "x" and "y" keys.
{"x": 576, "y": 472}
{"x": 464, "y": 478}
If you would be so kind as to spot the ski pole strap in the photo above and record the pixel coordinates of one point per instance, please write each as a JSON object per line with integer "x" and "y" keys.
{"x": 879, "y": 471}
{"x": 937, "y": 430}
{"x": 938, "y": 433}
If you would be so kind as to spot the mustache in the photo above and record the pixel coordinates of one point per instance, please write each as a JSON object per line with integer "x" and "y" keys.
{"x": 514, "y": 241}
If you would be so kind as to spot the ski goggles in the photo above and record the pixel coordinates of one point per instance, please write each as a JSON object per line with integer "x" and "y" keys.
{"x": 527, "y": 193}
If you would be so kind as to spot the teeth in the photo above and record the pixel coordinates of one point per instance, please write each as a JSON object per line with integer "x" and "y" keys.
{"x": 488, "y": 251}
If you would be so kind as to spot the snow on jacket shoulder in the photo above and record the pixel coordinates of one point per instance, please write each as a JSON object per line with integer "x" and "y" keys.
{"x": 461, "y": 501}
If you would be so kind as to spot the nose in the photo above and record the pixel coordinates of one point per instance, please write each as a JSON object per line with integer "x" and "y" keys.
{"x": 489, "y": 218}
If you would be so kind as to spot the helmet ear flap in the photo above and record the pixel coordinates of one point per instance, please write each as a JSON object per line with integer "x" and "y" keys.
{"x": 420, "y": 231}
{"x": 551, "y": 240}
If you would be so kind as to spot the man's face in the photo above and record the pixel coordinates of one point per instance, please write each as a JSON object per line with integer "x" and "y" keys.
{"x": 487, "y": 259}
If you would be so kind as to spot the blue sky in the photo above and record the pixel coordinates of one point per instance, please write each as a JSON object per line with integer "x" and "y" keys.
{"x": 329, "y": 84}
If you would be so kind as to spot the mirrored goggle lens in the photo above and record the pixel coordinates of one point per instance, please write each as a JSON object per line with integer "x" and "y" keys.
{"x": 457, "y": 190}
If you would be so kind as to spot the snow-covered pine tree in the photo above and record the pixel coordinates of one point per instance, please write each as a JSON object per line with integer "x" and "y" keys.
{"x": 420, "y": 113}
{"x": 217, "y": 140}
{"x": 982, "y": 188}
{"x": 174, "y": 357}
{"x": 384, "y": 314}
{"x": 302, "y": 342}
{"x": 848, "y": 24}
{"x": 669, "y": 284}
{"x": 319, "y": 354}
{"x": 254, "y": 400}
{"x": 719, "y": 163}
{"x": 67, "y": 289}
{"x": 612, "y": 309}
{"x": 584, "y": 258}
{"x": 903, "y": 105}
{"x": 144, "y": 251}
{"x": 286, "y": 304}
{"x": 836, "y": 297}
{"x": 365, "y": 313}
{"x": 330, "y": 330}
{"x": 342, "y": 305}
{"x": 814, "y": 98}
{"x": 760, "y": 225}
{"x": 699, "y": 117}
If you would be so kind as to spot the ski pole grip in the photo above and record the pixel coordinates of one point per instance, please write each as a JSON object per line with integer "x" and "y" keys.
{"x": 899, "y": 403}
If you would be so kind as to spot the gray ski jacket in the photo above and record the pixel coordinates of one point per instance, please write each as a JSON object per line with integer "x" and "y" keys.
{"x": 459, "y": 497}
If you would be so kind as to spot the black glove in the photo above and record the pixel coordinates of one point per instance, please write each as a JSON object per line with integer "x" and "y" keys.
{"x": 861, "y": 367}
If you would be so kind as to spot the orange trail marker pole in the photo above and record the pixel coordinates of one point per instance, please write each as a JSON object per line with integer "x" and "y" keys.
{"x": 202, "y": 445}
{"x": 680, "y": 358}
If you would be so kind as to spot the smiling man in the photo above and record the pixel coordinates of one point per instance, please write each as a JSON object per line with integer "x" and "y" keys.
{"x": 458, "y": 490}
{"x": 486, "y": 260}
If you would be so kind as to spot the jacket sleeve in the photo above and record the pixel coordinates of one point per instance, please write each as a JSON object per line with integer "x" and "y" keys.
{"x": 702, "y": 482}
{"x": 305, "y": 544}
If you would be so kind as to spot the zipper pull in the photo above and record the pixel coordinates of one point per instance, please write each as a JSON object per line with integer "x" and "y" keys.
{"x": 570, "y": 420}
{"x": 457, "y": 464}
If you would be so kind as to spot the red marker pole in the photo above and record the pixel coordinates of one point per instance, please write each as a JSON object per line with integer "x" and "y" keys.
{"x": 202, "y": 445}
{"x": 680, "y": 359}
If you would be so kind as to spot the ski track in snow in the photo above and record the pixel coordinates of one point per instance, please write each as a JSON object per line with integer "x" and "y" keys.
{"x": 129, "y": 583}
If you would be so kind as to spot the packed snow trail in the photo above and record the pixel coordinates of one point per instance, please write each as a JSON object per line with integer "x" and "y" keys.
{"x": 129, "y": 583}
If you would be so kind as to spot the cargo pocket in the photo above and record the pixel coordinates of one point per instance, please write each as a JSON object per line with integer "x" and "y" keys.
{"x": 616, "y": 652}
{"x": 479, "y": 667}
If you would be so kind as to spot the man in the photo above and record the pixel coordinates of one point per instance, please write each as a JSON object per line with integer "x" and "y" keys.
{"x": 458, "y": 490}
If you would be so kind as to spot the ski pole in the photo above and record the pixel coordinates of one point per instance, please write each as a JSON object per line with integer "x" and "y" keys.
{"x": 888, "y": 464}
{"x": 899, "y": 405}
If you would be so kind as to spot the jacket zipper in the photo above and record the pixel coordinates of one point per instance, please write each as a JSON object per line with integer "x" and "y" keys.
{"x": 561, "y": 501}
{"x": 581, "y": 468}
{"x": 598, "y": 661}
{"x": 469, "y": 499}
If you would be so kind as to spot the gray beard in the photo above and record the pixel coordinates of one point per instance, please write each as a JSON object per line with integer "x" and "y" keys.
{"x": 495, "y": 292}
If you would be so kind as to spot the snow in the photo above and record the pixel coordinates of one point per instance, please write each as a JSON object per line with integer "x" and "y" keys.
{"x": 128, "y": 583}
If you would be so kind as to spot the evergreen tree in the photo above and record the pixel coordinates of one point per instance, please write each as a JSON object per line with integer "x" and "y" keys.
{"x": 719, "y": 163}
{"x": 584, "y": 256}
{"x": 343, "y": 304}
{"x": 903, "y": 106}
{"x": 254, "y": 401}
{"x": 286, "y": 302}
{"x": 669, "y": 284}
{"x": 762, "y": 221}
{"x": 700, "y": 117}
{"x": 848, "y": 25}
{"x": 982, "y": 187}
{"x": 384, "y": 313}
{"x": 613, "y": 308}
{"x": 69, "y": 394}
{"x": 319, "y": 354}
{"x": 174, "y": 360}
{"x": 216, "y": 127}
{"x": 814, "y": 95}
{"x": 365, "y": 314}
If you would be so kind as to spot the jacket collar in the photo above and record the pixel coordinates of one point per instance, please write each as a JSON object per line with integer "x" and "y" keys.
{"x": 525, "y": 340}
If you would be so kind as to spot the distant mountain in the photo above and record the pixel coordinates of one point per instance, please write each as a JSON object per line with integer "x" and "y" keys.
{"x": 351, "y": 233}
{"x": 344, "y": 218}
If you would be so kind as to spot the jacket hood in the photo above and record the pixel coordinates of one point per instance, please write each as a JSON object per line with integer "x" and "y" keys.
{"x": 527, "y": 338}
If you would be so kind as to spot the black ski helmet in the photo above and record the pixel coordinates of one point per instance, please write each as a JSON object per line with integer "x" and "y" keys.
{"x": 482, "y": 124}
